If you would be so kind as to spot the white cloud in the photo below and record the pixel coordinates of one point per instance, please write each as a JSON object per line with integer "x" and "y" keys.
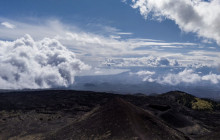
{"x": 8, "y": 25}
{"x": 25, "y": 63}
{"x": 124, "y": 33}
{"x": 140, "y": 73}
{"x": 115, "y": 37}
{"x": 198, "y": 16}
{"x": 214, "y": 78}
{"x": 186, "y": 76}
{"x": 38, "y": 30}
{"x": 147, "y": 75}
{"x": 150, "y": 61}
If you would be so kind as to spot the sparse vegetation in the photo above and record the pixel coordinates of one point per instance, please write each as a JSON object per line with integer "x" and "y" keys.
{"x": 200, "y": 104}
{"x": 191, "y": 101}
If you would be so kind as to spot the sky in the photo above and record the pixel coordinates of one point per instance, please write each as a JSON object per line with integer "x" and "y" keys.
{"x": 83, "y": 44}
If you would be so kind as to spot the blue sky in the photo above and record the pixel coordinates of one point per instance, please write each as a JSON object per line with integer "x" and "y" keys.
{"x": 84, "y": 12}
{"x": 166, "y": 42}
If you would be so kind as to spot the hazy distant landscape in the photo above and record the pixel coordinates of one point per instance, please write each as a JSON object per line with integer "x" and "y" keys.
{"x": 125, "y": 83}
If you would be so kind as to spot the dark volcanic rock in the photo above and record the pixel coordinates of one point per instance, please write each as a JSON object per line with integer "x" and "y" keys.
{"x": 118, "y": 119}
{"x": 79, "y": 115}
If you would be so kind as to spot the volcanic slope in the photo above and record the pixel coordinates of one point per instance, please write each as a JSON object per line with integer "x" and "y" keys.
{"x": 119, "y": 120}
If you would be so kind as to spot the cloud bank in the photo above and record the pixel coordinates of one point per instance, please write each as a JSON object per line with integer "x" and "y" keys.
{"x": 198, "y": 16}
{"x": 187, "y": 76}
{"x": 25, "y": 63}
{"x": 149, "y": 61}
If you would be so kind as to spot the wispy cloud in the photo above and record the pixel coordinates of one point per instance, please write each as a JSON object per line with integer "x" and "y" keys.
{"x": 76, "y": 38}
{"x": 8, "y": 25}
{"x": 124, "y": 33}
{"x": 96, "y": 48}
